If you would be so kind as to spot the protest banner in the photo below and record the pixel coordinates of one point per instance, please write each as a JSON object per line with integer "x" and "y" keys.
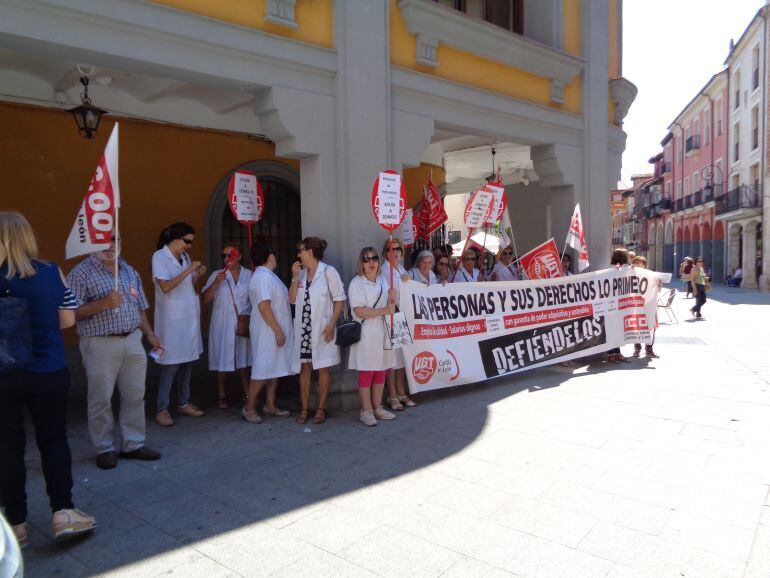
{"x": 97, "y": 219}
{"x": 500, "y": 204}
{"x": 470, "y": 332}
{"x": 389, "y": 209}
{"x": 477, "y": 211}
{"x": 247, "y": 201}
{"x": 408, "y": 228}
{"x": 576, "y": 238}
{"x": 542, "y": 262}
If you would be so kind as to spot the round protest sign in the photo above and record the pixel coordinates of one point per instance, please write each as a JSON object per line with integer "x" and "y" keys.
{"x": 389, "y": 200}
{"x": 478, "y": 208}
{"x": 247, "y": 202}
{"x": 500, "y": 203}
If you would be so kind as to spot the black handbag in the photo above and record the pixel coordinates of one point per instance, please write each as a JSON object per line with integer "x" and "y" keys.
{"x": 16, "y": 343}
{"x": 348, "y": 329}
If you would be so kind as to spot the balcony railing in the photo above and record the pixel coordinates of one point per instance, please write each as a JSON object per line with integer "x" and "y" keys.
{"x": 679, "y": 205}
{"x": 692, "y": 143}
{"x": 665, "y": 168}
{"x": 711, "y": 191}
{"x": 665, "y": 204}
{"x": 741, "y": 197}
{"x": 689, "y": 201}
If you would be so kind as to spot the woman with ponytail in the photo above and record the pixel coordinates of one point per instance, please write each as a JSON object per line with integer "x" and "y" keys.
{"x": 177, "y": 316}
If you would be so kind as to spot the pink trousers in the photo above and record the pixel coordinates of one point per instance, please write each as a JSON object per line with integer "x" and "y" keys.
{"x": 367, "y": 378}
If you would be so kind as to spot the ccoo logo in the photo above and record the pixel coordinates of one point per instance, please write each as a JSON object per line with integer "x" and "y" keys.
{"x": 635, "y": 322}
{"x": 423, "y": 367}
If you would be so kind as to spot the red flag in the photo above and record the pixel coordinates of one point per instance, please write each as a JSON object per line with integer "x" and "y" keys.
{"x": 576, "y": 238}
{"x": 97, "y": 216}
{"x": 542, "y": 262}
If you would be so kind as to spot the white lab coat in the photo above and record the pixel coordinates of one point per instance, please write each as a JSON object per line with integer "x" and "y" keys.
{"x": 369, "y": 354}
{"x": 464, "y": 277}
{"x": 322, "y": 308}
{"x": 227, "y": 351}
{"x": 416, "y": 275}
{"x": 502, "y": 273}
{"x": 177, "y": 313}
{"x": 270, "y": 360}
{"x": 398, "y": 272}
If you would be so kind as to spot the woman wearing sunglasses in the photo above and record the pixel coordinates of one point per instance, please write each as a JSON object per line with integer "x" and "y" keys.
{"x": 505, "y": 268}
{"x": 443, "y": 267}
{"x": 177, "y": 316}
{"x": 397, "y": 397}
{"x": 319, "y": 295}
{"x": 468, "y": 272}
{"x": 370, "y": 302}
{"x": 228, "y": 288}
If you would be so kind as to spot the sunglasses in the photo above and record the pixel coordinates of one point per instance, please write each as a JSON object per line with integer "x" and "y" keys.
{"x": 470, "y": 259}
{"x": 226, "y": 255}
{"x": 398, "y": 250}
{"x": 371, "y": 258}
{"x": 444, "y": 263}
{"x": 187, "y": 241}
{"x": 114, "y": 239}
{"x": 510, "y": 253}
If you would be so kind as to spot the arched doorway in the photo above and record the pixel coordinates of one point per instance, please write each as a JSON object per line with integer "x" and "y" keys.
{"x": 281, "y": 223}
{"x": 668, "y": 248}
{"x": 695, "y": 247}
{"x": 659, "y": 248}
{"x": 706, "y": 248}
{"x": 718, "y": 255}
{"x": 651, "y": 247}
{"x": 686, "y": 247}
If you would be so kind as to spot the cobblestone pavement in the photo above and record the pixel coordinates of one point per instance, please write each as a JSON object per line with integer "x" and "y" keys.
{"x": 652, "y": 468}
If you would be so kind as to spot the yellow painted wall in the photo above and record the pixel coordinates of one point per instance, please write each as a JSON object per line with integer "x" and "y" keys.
{"x": 416, "y": 178}
{"x": 571, "y": 27}
{"x": 613, "y": 48}
{"x": 466, "y": 68}
{"x": 167, "y": 174}
{"x": 314, "y": 17}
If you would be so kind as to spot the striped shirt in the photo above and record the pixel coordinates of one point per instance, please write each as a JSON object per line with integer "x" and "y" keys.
{"x": 69, "y": 301}
{"x": 90, "y": 281}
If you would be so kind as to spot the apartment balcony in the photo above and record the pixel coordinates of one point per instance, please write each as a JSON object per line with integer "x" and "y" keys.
{"x": 665, "y": 168}
{"x": 710, "y": 192}
{"x": 689, "y": 202}
{"x": 679, "y": 205}
{"x": 692, "y": 145}
{"x": 665, "y": 204}
{"x": 740, "y": 202}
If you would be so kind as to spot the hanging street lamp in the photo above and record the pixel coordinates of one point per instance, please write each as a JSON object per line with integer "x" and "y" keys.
{"x": 86, "y": 115}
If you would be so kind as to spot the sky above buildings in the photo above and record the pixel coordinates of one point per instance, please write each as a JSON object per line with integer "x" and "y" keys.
{"x": 671, "y": 48}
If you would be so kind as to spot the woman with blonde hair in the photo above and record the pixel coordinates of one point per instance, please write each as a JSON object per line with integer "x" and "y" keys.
{"x": 392, "y": 255}
{"x": 371, "y": 302}
{"x": 41, "y": 384}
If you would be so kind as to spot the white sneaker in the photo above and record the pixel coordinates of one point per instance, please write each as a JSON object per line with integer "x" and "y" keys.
{"x": 251, "y": 416}
{"x": 71, "y": 522}
{"x": 367, "y": 418}
{"x": 380, "y": 413}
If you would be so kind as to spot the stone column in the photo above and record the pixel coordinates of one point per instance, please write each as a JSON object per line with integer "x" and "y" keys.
{"x": 749, "y": 264}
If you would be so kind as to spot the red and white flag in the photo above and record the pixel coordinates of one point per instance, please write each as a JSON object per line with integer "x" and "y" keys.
{"x": 542, "y": 262}
{"x": 576, "y": 238}
{"x": 432, "y": 214}
{"x": 98, "y": 214}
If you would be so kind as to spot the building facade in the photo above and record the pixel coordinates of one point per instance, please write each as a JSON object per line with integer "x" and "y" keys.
{"x": 316, "y": 97}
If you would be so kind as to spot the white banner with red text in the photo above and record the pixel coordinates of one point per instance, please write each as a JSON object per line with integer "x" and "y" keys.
{"x": 469, "y": 332}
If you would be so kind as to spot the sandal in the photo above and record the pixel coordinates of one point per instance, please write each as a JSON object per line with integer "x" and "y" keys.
{"x": 404, "y": 400}
{"x": 302, "y": 417}
{"x": 613, "y": 358}
{"x": 320, "y": 416}
{"x": 222, "y": 402}
{"x": 395, "y": 404}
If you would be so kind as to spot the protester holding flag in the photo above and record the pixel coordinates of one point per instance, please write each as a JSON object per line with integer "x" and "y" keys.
{"x": 41, "y": 384}
{"x": 422, "y": 272}
{"x": 177, "y": 316}
{"x": 397, "y": 397}
{"x": 619, "y": 259}
{"x": 272, "y": 334}
{"x": 467, "y": 272}
{"x": 228, "y": 288}
{"x": 110, "y": 325}
{"x": 505, "y": 268}
{"x": 576, "y": 238}
{"x": 319, "y": 295}
{"x": 566, "y": 264}
{"x": 371, "y": 302}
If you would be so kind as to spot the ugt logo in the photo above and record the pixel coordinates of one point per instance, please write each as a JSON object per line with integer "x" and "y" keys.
{"x": 423, "y": 367}
{"x": 635, "y": 322}
{"x": 544, "y": 265}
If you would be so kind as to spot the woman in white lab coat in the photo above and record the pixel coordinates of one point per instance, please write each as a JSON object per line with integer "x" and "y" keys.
{"x": 397, "y": 397}
{"x": 422, "y": 272}
{"x": 228, "y": 288}
{"x": 177, "y": 316}
{"x": 272, "y": 334}
{"x": 318, "y": 295}
{"x": 371, "y": 302}
{"x": 468, "y": 272}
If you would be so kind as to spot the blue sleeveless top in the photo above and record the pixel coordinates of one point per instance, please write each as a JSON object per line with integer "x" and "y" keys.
{"x": 45, "y": 294}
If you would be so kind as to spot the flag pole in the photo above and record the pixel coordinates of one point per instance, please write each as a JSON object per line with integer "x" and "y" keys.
{"x": 465, "y": 248}
{"x": 117, "y": 244}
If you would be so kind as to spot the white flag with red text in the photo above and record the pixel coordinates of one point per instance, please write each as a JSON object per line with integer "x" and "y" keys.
{"x": 576, "y": 238}
{"x": 97, "y": 216}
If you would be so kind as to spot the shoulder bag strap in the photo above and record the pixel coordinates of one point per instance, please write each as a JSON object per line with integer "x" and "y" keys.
{"x": 232, "y": 295}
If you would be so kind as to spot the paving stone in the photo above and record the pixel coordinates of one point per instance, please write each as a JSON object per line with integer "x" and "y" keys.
{"x": 331, "y": 528}
{"x": 709, "y": 535}
{"x": 545, "y": 520}
{"x": 472, "y": 568}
